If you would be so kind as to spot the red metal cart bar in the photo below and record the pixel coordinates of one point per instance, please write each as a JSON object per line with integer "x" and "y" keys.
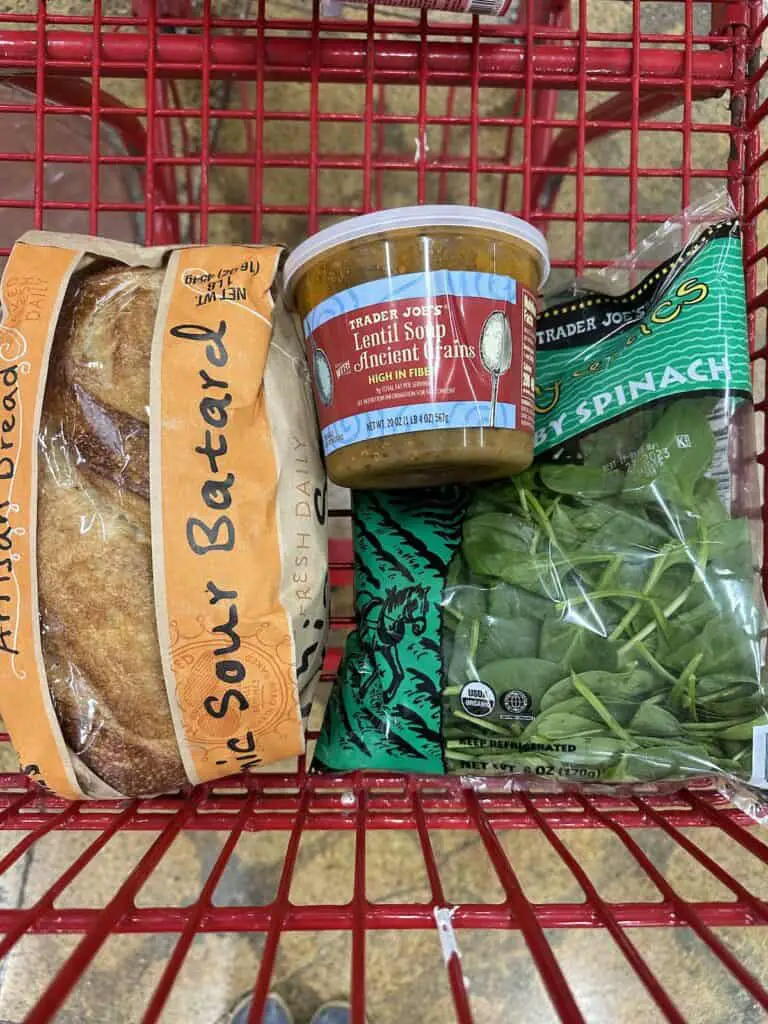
{"x": 440, "y": 903}
{"x": 279, "y": 911}
{"x": 344, "y": 59}
{"x": 468, "y": 916}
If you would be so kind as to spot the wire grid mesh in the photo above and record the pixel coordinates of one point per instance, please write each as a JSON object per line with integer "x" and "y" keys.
{"x": 231, "y": 120}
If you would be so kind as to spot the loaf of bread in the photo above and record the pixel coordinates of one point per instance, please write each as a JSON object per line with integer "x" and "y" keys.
{"x": 98, "y": 631}
{"x": 164, "y": 576}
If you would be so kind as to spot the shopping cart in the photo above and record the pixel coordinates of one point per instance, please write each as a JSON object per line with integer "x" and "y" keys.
{"x": 234, "y": 120}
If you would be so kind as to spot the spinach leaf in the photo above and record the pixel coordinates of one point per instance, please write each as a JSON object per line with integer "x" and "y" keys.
{"x": 573, "y": 646}
{"x": 560, "y": 692}
{"x": 561, "y": 725}
{"x": 506, "y": 601}
{"x": 651, "y": 764}
{"x": 725, "y": 645}
{"x": 718, "y": 687}
{"x": 628, "y": 530}
{"x": 461, "y": 653}
{"x": 652, "y": 720}
{"x": 707, "y": 503}
{"x": 584, "y": 481}
{"x": 507, "y": 548}
{"x": 730, "y": 548}
{"x": 507, "y": 638}
{"x": 631, "y": 686}
{"x": 735, "y": 703}
{"x": 673, "y": 457}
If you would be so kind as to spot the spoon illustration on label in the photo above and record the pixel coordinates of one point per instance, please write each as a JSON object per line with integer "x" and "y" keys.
{"x": 496, "y": 354}
{"x": 321, "y": 367}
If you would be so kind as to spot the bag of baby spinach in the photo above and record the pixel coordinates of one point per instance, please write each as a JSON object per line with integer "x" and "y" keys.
{"x": 597, "y": 618}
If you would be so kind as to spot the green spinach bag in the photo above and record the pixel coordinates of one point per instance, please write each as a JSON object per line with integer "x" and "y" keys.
{"x": 598, "y": 618}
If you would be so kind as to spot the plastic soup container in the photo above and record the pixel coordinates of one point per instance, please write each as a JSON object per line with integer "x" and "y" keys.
{"x": 420, "y": 325}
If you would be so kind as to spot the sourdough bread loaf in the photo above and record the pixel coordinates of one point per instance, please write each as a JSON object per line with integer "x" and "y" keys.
{"x": 163, "y": 520}
{"x": 98, "y": 631}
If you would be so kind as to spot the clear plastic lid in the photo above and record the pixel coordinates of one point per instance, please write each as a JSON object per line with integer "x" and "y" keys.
{"x": 423, "y": 217}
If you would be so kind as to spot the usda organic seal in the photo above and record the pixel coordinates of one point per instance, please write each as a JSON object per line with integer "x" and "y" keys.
{"x": 477, "y": 699}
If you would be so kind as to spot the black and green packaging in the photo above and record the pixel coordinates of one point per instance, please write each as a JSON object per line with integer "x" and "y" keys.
{"x": 598, "y": 618}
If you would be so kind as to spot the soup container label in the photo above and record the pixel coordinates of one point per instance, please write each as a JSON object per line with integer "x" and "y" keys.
{"x": 425, "y": 351}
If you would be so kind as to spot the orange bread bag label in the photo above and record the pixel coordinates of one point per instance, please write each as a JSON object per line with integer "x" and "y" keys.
{"x": 33, "y": 287}
{"x": 226, "y": 642}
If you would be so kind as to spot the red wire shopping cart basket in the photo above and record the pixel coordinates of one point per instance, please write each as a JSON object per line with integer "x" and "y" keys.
{"x": 231, "y": 120}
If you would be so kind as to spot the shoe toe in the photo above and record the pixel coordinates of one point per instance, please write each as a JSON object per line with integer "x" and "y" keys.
{"x": 275, "y": 1012}
{"x": 333, "y": 1013}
